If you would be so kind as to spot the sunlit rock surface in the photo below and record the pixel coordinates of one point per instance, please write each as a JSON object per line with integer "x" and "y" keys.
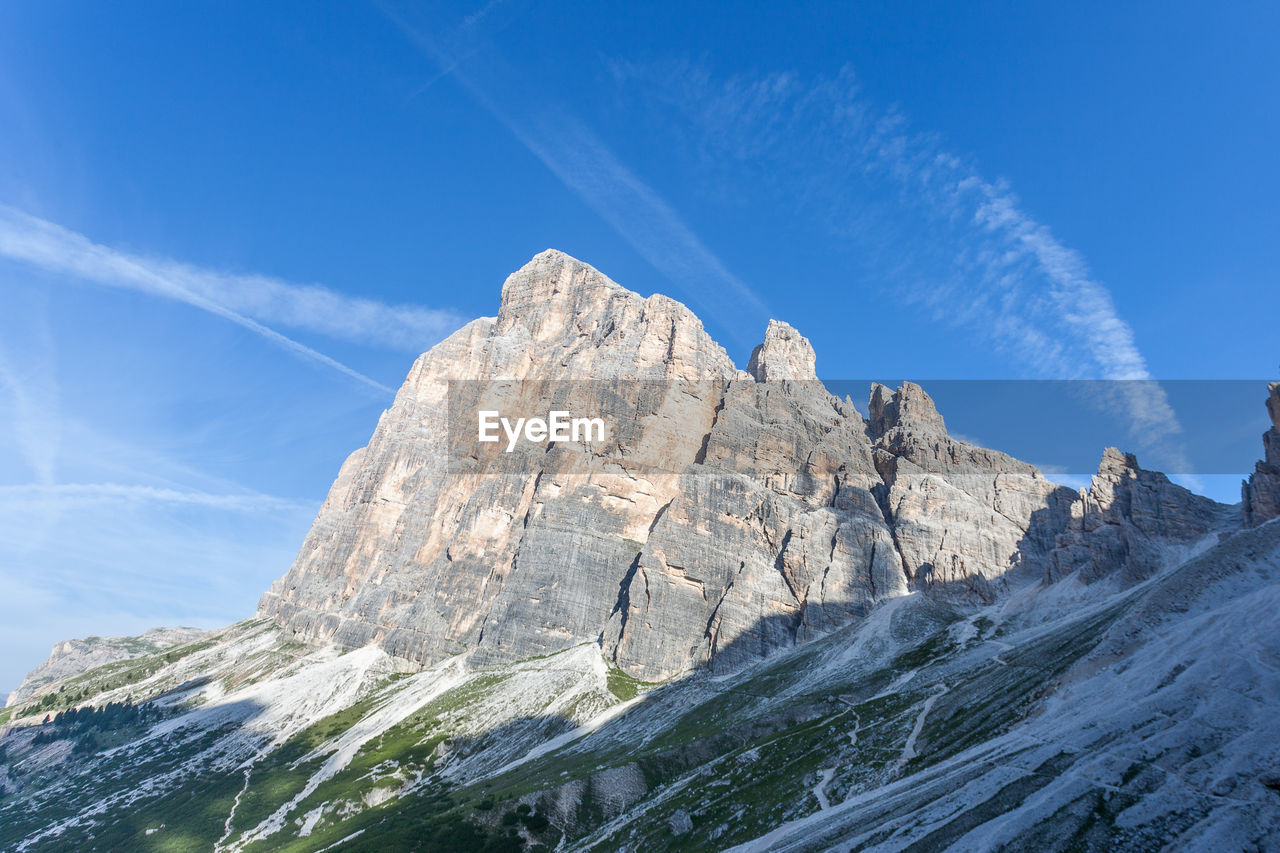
{"x": 750, "y": 620}
{"x": 742, "y": 511}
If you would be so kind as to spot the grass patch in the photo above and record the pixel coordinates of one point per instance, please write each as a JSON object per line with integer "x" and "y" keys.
{"x": 624, "y": 686}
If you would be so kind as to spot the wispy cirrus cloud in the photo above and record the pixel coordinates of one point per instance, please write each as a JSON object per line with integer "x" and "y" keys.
{"x": 250, "y": 301}
{"x": 31, "y": 391}
{"x": 80, "y": 494}
{"x": 822, "y": 147}
{"x": 935, "y": 230}
{"x": 589, "y": 168}
{"x": 631, "y": 207}
{"x": 29, "y": 407}
{"x": 121, "y": 564}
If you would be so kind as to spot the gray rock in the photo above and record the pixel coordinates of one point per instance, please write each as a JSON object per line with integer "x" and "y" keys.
{"x": 963, "y": 517}
{"x": 774, "y": 537}
{"x": 1127, "y": 521}
{"x": 785, "y": 354}
{"x": 1261, "y": 494}
{"x": 732, "y": 513}
{"x": 69, "y": 658}
{"x": 735, "y": 514}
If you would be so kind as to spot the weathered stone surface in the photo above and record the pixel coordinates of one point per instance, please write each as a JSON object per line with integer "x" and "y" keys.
{"x": 1261, "y": 494}
{"x": 429, "y": 562}
{"x": 963, "y": 516}
{"x": 785, "y": 354}
{"x": 909, "y": 410}
{"x": 776, "y": 536}
{"x": 1129, "y": 522}
{"x": 731, "y": 513}
{"x": 746, "y": 521}
{"x": 72, "y": 657}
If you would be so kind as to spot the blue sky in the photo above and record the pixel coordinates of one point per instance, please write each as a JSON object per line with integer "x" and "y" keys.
{"x": 226, "y": 230}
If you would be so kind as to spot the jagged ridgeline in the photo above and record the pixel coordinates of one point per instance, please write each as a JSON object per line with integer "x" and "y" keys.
{"x": 746, "y": 616}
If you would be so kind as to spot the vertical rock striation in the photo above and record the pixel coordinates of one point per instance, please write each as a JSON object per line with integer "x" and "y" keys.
{"x": 430, "y": 561}
{"x": 1261, "y": 494}
{"x": 964, "y": 517}
{"x": 731, "y": 513}
{"x": 1128, "y": 520}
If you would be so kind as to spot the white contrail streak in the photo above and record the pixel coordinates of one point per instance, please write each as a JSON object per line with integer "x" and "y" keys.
{"x": 244, "y": 300}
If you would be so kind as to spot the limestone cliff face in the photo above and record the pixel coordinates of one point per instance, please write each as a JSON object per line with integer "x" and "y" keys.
{"x": 785, "y": 354}
{"x": 755, "y": 527}
{"x": 1261, "y": 493}
{"x": 774, "y": 535}
{"x": 429, "y": 562}
{"x": 1127, "y": 521}
{"x": 964, "y": 517}
{"x": 731, "y": 514}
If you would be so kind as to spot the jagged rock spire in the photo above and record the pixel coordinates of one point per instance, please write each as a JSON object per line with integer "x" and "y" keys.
{"x": 909, "y": 408}
{"x": 785, "y": 354}
{"x": 1125, "y": 521}
{"x": 735, "y": 517}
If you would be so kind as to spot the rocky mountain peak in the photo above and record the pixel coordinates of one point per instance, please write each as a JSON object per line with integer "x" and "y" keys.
{"x": 909, "y": 408}
{"x": 544, "y": 294}
{"x": 737, "y": 513}
{"x": 70, "y": 657}
{"x": 1115, "y": 467}
{"x": 1127, "y": 520}
{"x": 785, "y": 355}
{"x": 562, "y": 318}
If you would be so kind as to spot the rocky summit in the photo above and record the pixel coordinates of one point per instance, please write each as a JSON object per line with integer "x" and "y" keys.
{"x": 775, "y": 514}
{"x": 746, "y": 617}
